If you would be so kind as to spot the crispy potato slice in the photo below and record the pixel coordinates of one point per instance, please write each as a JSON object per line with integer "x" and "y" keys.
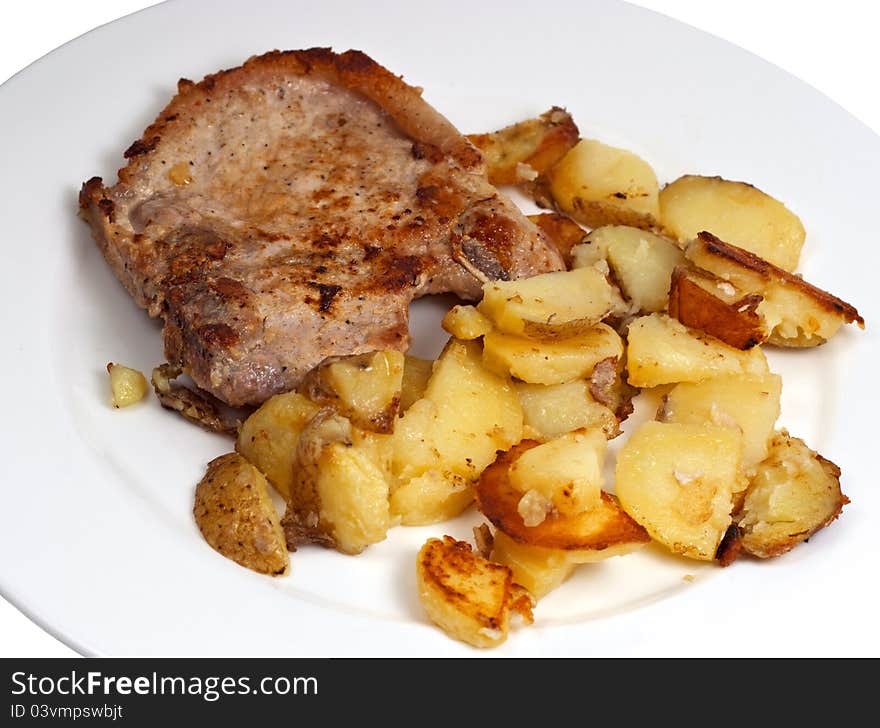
{"x": 660, "y": 350}
{"x": 747, "y": 402}
{"x": 466, "y": 323}
{"x": 703, "y": 301}
{"x": 363, "y": 387}
{"x": 550, "y": 306}
{"x": 470, "y": 598}
{"x": 642, "y": 263}
{"x": 679, "y": 482}
{"x": 553, "y": 410}
{"x": 595, "y": 534}
{"x": 538, "y": 569}
{"x": 601, "y": 185}
{"x": 795, "y": 493}
{"x": 268, "y": 437}
{"x": 796, "y": 313}
{"x": 550, "y": 362}
{"x": 562, "y": 231}
{"x": 416, "y": 373}
{"x": 339, "y": 494}
{"x": 127, "y": 385}
{"x": 520, "y": 152}
{"x": 734, "y": 211}
{"x": 236, "y": 516}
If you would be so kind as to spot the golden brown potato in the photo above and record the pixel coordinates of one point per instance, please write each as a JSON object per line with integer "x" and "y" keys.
{"x": 127, "y": 385}
{"x": 562, "y": 231}
{"x": 236, "y": 516}
{"x": 432, "y": 497}
{"x": 660, "y": 350}
{"x": 708, "y": 303}
{"x": 466, "y": 323}
{"x": 520, "y": 152}
{"x": 748, "y": 403}
{"x": 795, "y": 313}
{"x": 470, "y": 598}
{"x": 550, "y": 306}
{"x": 601, "y": 185}
{"x": 339, "y": 494}
{"x": 679, "y": 482}
{"x": 550, "y": 362}
{"x": 269, "y": 436}
{"x": 537, "y": 569}
{"x": 795, "y": 493}
{"x": 642, "y": 263}
{"x": 734, "y": 211}
{"x": 363, "y": 387}
{"x": 552, "y": 410}
{"x": 594, "y": 534}
{"x": 416, "y": 373}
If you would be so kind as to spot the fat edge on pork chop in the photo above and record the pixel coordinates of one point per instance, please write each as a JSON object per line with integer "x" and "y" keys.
{"x": 289, "y": 210}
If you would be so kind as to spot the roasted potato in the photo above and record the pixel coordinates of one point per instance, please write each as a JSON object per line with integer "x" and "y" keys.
{"x": 269, "y": 436}
{"x": 592, "y": 535}
{"x": 680, "y": 482}
{"x": 520, "y": 152}
{"x": 601, "y": 185}
{"x": 795, "y": 313}
{"x": 235, "y": 514}
{"x": 562, "y": 231}
{"x": 748, "y": 403}
{"x": 127, "y": 385}
{"x": 660, "y": 350}
{"x": 470, "y": 598}
{"x": 795, "y": 493}
{"x": 642, "y": 263}
{"x": 416, "y": 373}
{"x": 553, "y": 410}
{"x": 550, "y": 362}
{"x": 550, "y": 306}
{"x": 466, "y": 323}
{"x": 703, "y": 301}
{"x": 608, "y": 387}
{"x": 734, "y": 211}
{"x": 363, "y": 387}
{"x": 432, "y": 497}
{"x": 339, "y": 493}
{"x": 537, "y": 569}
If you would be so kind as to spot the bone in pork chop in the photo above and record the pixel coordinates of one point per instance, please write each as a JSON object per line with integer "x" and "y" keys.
{"x": 290, "y": 209}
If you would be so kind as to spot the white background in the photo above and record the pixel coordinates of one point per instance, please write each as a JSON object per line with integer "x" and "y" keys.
{"x": 831, "y": 46}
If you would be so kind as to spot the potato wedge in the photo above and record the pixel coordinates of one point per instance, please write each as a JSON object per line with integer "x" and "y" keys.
{"x": 592, "y": 535}
{"x": 363, "y": 387}
{"x": 748, "y": 403}
{"x": 795, "y": 493}
{"x": 550, "y": 362}
{"x": 660, "y": 350}
{"x": 236, "y": 516}
{"x": 431, "y": 497}
{"x": 520, "y": 152}
{"x": 416, "y": 373}
{"x": 470, "y": 598}
{"x": 601, "y": 185}
{"x": 537, "y": 569}
{"x": 550, "y": 411}
{"x": 466, "y": 323}
{"x": 562, "y": 231}
{"x": 796, "y": 313}
{"x": 734, "y": 211}
{"x": 679, "y": 482}
{"x": 550, "y": 306}
{"x": 127, "y": 385}
{"x": 703, "y": 301}
{"x": 268, "y": 437}
{"x": 339, "y": 494}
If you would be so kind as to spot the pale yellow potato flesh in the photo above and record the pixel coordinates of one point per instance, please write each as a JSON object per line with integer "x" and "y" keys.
{"x": 127, "y": 385}
{"x": 553, "y": 410}
{"x": 736, "y": 212}
{"x": 466, "y": 323}
{"x": 540, "y": 570}
{"x": 432, "y": 497}
{"x": 416, "y": 373}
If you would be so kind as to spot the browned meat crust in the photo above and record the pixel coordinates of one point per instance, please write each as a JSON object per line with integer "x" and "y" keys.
{"x": 289, "y": 210}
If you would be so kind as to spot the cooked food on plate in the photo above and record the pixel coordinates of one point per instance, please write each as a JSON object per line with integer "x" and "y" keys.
{"x": 280, "y": 217}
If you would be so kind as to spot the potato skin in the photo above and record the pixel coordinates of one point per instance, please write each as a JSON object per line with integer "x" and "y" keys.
{"x": 562, "y": 231}
{"x": 236, "y": 516}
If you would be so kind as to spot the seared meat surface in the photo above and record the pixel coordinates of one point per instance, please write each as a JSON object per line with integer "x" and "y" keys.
{"x": 290, "y": 209}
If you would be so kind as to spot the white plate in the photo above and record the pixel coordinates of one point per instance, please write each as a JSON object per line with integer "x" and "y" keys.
{"x": 98, "y": 543}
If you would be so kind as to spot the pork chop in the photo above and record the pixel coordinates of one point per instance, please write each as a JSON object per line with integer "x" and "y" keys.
{"x": 289, "y": 210}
